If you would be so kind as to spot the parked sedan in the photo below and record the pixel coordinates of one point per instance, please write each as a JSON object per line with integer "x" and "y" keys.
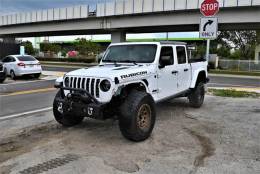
{"x": 2, "y": 73}
{"x": 19, "y": 65}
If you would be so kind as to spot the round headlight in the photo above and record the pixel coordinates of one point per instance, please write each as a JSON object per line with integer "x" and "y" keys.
{"x": 105, "y": 85}
{"x": 67, "y": 81}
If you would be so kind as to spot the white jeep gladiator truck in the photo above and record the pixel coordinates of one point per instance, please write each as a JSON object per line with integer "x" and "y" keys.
{"x": 130, "y": 79}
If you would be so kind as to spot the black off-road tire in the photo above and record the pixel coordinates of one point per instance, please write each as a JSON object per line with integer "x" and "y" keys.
{"x": 197, "y": 95}
{"x": 132, "y": 123}
{"x": 67, "y": 120}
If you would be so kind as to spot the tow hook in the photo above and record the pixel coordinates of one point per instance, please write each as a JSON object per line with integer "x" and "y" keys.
{"x": 60, "y": 107}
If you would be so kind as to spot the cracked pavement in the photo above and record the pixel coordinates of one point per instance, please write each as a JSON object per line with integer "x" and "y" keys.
{"x": 221, "y": 137}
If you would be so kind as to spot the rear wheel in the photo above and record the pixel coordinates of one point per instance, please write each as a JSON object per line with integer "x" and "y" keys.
{"x": 67, "y": 120}
{"x": 197, "y": 95}
{"x": 37, "y": 75}
{"x": 12, "y": 74}
{"x": 137, "y": 117}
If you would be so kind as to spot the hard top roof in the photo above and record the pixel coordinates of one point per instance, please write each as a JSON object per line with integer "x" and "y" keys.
{"x": 157, "y": 43}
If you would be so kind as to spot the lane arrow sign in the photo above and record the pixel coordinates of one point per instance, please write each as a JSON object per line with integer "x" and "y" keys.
{"x": 206, "y": 24}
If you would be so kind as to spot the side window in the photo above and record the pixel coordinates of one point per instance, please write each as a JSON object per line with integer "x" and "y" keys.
{"x": 181, "y": 55}
{"x": 6, "y": 59}
{"x": 12, "y": 59}
{"x": 166, "y": 57}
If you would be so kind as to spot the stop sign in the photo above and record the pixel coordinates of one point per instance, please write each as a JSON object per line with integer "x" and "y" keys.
{"x": 209, "y": 7}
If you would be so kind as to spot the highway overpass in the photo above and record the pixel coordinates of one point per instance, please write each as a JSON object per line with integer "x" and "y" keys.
{"x": 130, "y": 16}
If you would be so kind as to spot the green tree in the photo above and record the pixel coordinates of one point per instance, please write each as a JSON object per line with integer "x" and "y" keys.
{"x": 223, "y": 52}
{"x": 28, "y": 47}
{"x": 86, "y": 48}
{"x": 45, "y": 47}
{"x": 244, "y": 41}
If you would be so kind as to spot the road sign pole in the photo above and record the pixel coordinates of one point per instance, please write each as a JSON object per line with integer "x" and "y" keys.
{"x": 209, "y": 25}
{"x": 207, "y": 51}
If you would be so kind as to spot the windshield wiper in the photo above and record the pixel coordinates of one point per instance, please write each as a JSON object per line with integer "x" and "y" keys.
{"x": 130, "y": 61}
{"x": 111, "y": 61}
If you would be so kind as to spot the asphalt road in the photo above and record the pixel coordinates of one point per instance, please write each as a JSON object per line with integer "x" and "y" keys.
{"x": 20, "y": 103}
{"x": 216, "y": 81}
{"x": 32, "y": 95}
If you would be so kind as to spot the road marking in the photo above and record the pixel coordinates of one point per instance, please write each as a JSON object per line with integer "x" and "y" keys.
{"x": 25, "y": 82}
{"x": 54, "y": 73}
{"x": 25, "y": 113}
{"x": 29, "y": 92}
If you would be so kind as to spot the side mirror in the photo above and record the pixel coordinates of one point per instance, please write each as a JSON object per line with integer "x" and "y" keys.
{"x": 164, "y": 61}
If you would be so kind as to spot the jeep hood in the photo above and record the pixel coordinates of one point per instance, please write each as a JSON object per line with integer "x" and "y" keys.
{"x": 122, "y": 72}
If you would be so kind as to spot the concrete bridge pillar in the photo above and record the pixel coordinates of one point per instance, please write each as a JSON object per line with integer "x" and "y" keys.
{"x": 257, "y": 49}
{"x": 118, "y": 36}
{"x": 9, "y": 40}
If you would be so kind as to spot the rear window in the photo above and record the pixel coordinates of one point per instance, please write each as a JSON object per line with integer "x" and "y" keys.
{"x": 26, "y": 58}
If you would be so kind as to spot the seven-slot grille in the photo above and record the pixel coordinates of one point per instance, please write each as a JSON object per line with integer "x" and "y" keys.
{"x": 89, "y": 84}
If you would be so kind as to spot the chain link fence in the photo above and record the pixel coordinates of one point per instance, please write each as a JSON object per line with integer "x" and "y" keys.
{"x": 239, "y": 65}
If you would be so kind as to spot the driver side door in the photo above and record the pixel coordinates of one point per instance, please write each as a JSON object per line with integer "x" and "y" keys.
{"x": 167, "y": 73}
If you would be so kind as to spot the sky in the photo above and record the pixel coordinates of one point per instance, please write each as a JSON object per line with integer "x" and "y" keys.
{"x": 15, "y": 6}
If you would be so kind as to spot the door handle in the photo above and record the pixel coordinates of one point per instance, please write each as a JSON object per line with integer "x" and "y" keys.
{"x": 185, "y": 70}
{"x": 174, "y": 72}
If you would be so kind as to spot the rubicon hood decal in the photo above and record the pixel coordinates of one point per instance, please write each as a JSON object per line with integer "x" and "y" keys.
{"x": 134, "y": 74}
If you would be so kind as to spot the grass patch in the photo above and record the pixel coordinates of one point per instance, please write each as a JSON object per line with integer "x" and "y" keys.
{"x": 233, "y": 93}
{"x": 235, "y": 72}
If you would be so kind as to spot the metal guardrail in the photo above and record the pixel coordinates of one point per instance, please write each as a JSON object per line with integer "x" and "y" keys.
{"x": 54, "y": 14}
{"x": 144, "y": 6}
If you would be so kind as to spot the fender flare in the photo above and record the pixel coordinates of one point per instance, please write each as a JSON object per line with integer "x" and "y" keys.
{"x": 195, "y": 76}
{"x": 135, "y": 82}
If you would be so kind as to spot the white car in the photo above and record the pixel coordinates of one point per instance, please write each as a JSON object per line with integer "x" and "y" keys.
{"x": 19, "y": 65}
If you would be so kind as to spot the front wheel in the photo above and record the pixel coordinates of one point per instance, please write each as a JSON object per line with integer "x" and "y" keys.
{"x": 67, "y": 120}
{"x": 137, "y": 116}
{"x": 197, "y": 95}
{"x": 12, "y": 74}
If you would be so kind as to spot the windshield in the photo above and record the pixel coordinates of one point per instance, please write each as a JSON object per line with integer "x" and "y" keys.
{"x": 26, "y": 58}
{"x": 131, "y": 53}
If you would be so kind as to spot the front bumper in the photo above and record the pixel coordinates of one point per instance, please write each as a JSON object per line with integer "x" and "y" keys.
{"x": 80, "y": 103}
